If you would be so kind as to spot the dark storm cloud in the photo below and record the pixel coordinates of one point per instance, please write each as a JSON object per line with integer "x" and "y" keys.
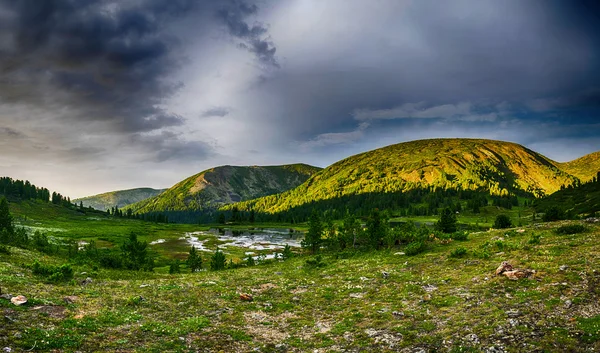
{"x": 216, "y": 111}
{"x": 108, "y": 59}
{"x": 171, "y": 146}
{"x": 11, "y": 133}
{"x": 253, "y": 39}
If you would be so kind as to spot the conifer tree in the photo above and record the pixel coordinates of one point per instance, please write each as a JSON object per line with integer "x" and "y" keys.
{"x": 6, "y": 220}
{"x": 194, "y": 261}
{"x": 313, "y": 238}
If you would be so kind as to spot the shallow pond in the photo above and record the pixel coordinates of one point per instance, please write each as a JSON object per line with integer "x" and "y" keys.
{"x": 255, "y": 240}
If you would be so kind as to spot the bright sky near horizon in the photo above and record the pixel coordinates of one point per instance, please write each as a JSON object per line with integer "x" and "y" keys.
{"x": 101, "y": 95}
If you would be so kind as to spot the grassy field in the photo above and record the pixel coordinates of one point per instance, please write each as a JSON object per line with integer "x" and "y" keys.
{"x": 440, "y": 300}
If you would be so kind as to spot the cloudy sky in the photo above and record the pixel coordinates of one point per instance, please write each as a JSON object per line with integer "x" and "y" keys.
{"x": 99, "y": 95}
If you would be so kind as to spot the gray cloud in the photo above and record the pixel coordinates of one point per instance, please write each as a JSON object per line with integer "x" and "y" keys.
{"x": 234, "y": 14}
{"x": 12, "y": 133}
{"x": 216, "y": 111}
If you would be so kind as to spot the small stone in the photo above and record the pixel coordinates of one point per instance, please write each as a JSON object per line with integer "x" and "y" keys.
{"x": 86, "y": 281}
{"x": 563, "y": 267}
{"x": 513, "y": 322}
{"x": 246, "y": 297}
{"x": 71, "y": 299}
{"x": 83, "y": 273}
{"x": 399, "y": 253}
{"x": 296, "y": 299}
{"x": 364, "y": 279}
{"x": 144, "y": 285}
{"x": 472, "y": 338}
{"x": 7, "y": 349}
{"x": 397, "y": 314}
{"x": 504, "y": 266}
{"x": 385, "y": 274}
{"x": 494, "y": 349}
{"x": 18, "y": 300}
{"x": 6, "y": 296}
{"x": 568, "y": 304}
{"x": 182, "y": 339}
{"x": 357, "y": 295}
{"x": 513, "y": 313}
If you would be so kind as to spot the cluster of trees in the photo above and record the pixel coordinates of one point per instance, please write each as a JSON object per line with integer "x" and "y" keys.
{"x": 416, "y": 202}
{"x": 22, "y": 190}
{"x": 376, "y": 232}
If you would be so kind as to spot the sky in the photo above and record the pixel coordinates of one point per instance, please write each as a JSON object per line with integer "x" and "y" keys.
{"x": 102, "y": 95}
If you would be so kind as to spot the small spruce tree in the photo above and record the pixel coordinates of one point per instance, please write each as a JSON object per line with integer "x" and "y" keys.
{"x": 314, "y": 237}
{"x": 217, "y": 261}
{"x": 502, "y": 221}
{"x": 194, "y": 261}
{"x": 447, "y": 222}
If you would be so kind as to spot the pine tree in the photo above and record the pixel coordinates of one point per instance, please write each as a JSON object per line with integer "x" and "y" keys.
{"x": 217, "y": 261}
{"x": 6, "y": 220}
{"x": 194, "y": 261}
{"x": 135, "y": 252}
{"x": 313, "y": 238}
{"x": 447, "y": 222}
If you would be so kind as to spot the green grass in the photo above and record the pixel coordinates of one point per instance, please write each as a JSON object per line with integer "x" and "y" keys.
{"x": 343, "y": 304}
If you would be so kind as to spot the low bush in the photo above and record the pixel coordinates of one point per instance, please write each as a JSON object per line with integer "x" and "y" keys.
{"x": 502, "y": 222}
{"x": 462, "y": 236}
{"x": 535, "y": 239}
{"x": 53, "y": 274}
{"x": 415, "y": 248}
{"x": 315, "y": 262}
{"x": 570, "y": 229}
{"x": 458, "y": 252}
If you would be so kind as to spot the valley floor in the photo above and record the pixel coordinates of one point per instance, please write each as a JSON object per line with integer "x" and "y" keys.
{"x": 368, "y": 302}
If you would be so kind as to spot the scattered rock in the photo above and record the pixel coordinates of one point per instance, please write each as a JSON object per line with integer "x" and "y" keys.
{"x": 430, "y": 288}
{"x": 472, "y": 338}
{"x": 518, "y": 274}
{"x": 383, "y": 337}
{"x": 6, "y": 296}
{"x": 83, "y": 273}
{"x": 323, "y": 327}
{"x": 71, "y": 299}
{"x": 18, "y": 300}
{"x": 86, "y": 281}
{"x": 144, "y": 285}
{"x": 397, "y": 314}
{"x": 399, "y": 253}
{"x": 385, "y": 274}
{"x": 246, "y": 297}
{"x": 504, "y": 266}
{"x": 357, "y": 295}
{"x": 520, "y": 230}
{"x": 296, "y": 299}
{"x": 7, "y": 349}
{"x": 364, "y": 279}
{"x": 513, "y": 313}
{"x": 563, "y": 267}
{"x": 494, "y": 349}
{"x": 513, "y": 322}
{"x": 568, "y": 304}
{"x": 507, "y": 270}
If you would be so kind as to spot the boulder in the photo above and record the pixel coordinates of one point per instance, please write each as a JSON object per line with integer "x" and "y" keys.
{"x": 18, "y": 300}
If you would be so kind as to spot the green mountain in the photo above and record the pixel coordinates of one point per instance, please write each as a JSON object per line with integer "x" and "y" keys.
{"x": 218, "y": 186}
{"x": 583, "y": 199}
{"x": 495, "y": 167}
{"x": 119, "y": 198}
{"x": 584, "y": 168}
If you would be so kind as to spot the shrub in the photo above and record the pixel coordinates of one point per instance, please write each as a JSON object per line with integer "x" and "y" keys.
{"x": 502, "y": 222}
{"x": 4, "y": 250}
{"x": 460, "y": 236}
{"x": 217, "y": 261}
{"x": 553, "y": 214}
{"x": 287, "y": 252}
{"x": 110, "y": 260}
{"x": 534, "y": 240}
{"x": 458, "y": 252}
{"x": 447, "y": 222}
{"x": 570, "y": 229}
{"x": 174, "y": 267}
{"x": 250, "y": 260}
{"x": 414, "y": 248}
{"x": 315, "y": 262}
{"x": 53, "y": 273}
